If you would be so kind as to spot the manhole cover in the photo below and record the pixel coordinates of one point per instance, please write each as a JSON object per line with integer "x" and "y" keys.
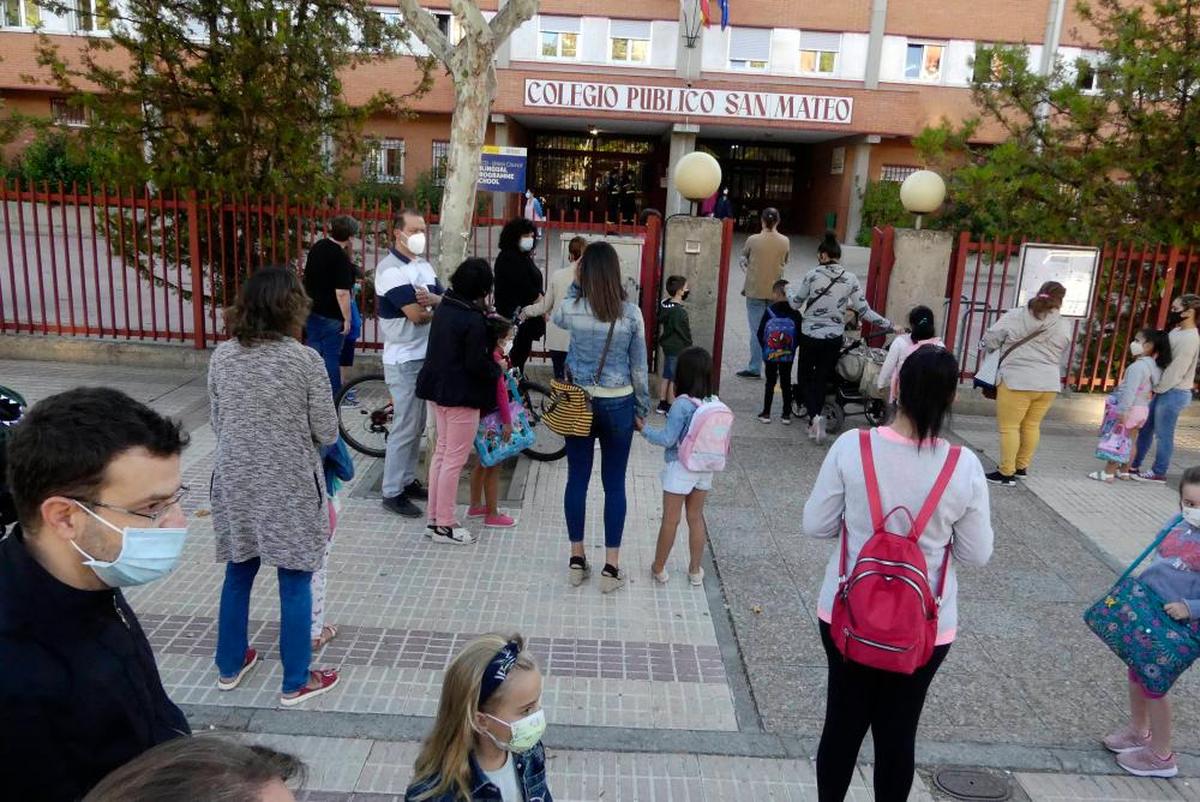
{"x": 972, "y": 785}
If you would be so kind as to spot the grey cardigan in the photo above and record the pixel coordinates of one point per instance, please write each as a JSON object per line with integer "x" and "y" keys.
{"x": 271, "y": 411}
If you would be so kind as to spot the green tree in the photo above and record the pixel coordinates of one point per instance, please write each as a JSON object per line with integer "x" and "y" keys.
{"x": 1095, "y": 150}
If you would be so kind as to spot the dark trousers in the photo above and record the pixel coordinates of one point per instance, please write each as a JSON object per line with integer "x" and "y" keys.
{"x": 529, "y": 331}
{"x": 889, "y": 705}
{"x": 781, "y": 371}
{"x": 558, "y": 359}
{"x": 818, "y": 358}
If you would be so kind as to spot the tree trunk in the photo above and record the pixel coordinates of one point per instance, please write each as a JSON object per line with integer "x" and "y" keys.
{"x": 473, "y": 102}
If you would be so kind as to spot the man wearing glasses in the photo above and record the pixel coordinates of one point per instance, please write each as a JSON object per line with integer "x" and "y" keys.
{"x": 95, "y": 480}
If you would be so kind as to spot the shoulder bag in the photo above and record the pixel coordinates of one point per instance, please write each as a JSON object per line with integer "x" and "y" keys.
{"x": 569, "y": 410}
{"x": 986, "y": 377}
{"x": 822, "y": 293}
{"x": 1131, "y": 621}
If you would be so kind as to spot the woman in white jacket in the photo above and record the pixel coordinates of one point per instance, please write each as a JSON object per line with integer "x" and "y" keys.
{"x": 558, "y": 340}
{"x": 1034, "y": 339}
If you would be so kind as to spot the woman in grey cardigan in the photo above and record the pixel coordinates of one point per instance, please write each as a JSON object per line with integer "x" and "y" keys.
{"x": 271, "y": 412}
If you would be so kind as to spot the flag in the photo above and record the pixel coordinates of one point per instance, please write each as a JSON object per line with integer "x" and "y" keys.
{"x": 724, "y": 4}
{"x": 705, "y": 12}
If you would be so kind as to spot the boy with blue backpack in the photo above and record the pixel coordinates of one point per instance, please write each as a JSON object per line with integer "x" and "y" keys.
{"x": 778, "y": 336}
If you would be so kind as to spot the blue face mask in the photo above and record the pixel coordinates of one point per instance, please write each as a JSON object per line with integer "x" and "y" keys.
{"x": 147, "y": 554}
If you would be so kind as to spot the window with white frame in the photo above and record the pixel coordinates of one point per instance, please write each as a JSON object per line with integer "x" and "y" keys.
{"x": 819, "y": 52}
{"x": 441, "y": 160}
{"x": 989, "y": 64}
{"x": 385, "y": 161}
{"x": 19, "y": 13}
{"x": 559, "y": 37}
{"x": 92, "y": 15}
{"x": 1087, "y": 74}
{"x": 923, "y": 61}
{"x": 628, "y": 41}
{"x": 896, "y": 172}
{"x": 63, "y": 112}
{"x": 749, "y": 48}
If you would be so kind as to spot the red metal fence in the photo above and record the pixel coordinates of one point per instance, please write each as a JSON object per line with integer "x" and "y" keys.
{"x": 1133, "y": 289}
{"x": 140, "y": 265}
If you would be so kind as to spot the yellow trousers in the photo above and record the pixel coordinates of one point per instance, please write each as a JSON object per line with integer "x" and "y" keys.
{"x": 1019, "y": 415}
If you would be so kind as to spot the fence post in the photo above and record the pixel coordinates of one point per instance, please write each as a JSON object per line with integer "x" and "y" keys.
{"x": 649, "y": 282}
{"x": 958, "y": 270}
{"x": 722, "y": 291}
{"x": 1164, "y": 303}
{"x": 199, "y": 341}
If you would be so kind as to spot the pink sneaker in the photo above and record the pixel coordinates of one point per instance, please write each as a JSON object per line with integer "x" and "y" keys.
{"x": 476, "y": 512}
{"x": 1144, "y": 763}
{"x": 1125, "y": 740}
{"x": 324, "y": 680}
{"x": 499, "y": 521}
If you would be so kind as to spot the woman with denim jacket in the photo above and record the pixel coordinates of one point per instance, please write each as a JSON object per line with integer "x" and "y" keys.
{"x": 486, "y": 742}
{"x": 607, "y": 357}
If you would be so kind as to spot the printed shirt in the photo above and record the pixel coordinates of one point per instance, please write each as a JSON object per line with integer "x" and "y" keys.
{"x": 396, "y": 280}
{"x": 1175, "y": 573}
{"x": 825, "y": 317}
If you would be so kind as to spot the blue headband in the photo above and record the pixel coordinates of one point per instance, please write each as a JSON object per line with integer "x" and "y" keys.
{"x": 497, "y": 670}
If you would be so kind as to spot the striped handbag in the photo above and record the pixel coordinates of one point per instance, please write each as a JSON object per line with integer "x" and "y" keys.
{"x": 569, "y": 412}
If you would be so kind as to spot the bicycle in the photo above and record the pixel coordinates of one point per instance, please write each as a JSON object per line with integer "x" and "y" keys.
{"x": 364, "y": 411}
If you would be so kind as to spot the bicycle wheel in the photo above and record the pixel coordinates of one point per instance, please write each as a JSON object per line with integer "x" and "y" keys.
{"x": 364, "y": 410}
{"x": 549, "y": 445}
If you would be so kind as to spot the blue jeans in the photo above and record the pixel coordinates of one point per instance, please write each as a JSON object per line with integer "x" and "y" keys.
{"x": 324, "y": 335}
{"x": 1165, "y": 410}
{"x": 612, "y": 423}
{"x": 295, "y": 621}
{"x": 755, "y": 309}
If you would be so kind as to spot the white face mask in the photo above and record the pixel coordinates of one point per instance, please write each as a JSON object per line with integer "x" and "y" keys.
{"x": 1135, "y": 348}
{"x": 1192, "y": 516}
{"x": 416, "y": 243}
{"x": 526, "y": 732}
{"x": 527, "y": 244}
{"x": 506, "y": 347}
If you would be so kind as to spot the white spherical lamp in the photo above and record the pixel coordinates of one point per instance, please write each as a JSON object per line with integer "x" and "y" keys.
{"x": 697, "y": 176}
{"x": 922, "y": 193}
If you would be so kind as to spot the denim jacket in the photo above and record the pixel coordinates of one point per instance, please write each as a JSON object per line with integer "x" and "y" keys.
{"x": 626, "y": 361}
{"x": 670, "y": 435}
{"x": 531, "y": 769}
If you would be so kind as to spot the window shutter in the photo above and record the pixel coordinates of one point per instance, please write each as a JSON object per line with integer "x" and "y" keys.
{"x": 629, "y": 29}
{"x": 750, "y": 44}
{"x": 560, "y": 24}
{"x": 819, "y": 40}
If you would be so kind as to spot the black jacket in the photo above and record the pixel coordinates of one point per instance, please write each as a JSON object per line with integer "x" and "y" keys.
{"x": 459, "y": 370}
{"x": 518, "y": 281}
{"x": 80, "y": 693}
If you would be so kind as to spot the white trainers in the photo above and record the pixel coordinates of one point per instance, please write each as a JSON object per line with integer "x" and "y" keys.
{"x": 661, "y": 578}
{"x": 697, "y": 579}
{"x": 454, "y": 535}
{"x": 819, "y": 429}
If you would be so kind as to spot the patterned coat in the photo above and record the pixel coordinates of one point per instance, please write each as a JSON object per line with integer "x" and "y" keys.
{"x": 272, "y": 409}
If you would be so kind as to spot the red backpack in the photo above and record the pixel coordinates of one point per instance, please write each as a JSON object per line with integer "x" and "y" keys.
{"x": 884, "y": 614}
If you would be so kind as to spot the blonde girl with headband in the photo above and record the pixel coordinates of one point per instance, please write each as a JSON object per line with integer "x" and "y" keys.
{"x": 486, "y": 743}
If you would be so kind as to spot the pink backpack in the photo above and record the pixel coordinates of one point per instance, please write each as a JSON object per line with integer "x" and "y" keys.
{"x": 705, "y": 445}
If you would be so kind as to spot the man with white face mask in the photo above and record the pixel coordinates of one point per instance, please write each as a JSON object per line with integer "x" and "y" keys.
{"x": 408, "y": 289}
{"x": 96, "y": 483}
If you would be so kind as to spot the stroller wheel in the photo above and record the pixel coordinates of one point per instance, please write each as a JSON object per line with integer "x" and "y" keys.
{"x": 835, "y": 417}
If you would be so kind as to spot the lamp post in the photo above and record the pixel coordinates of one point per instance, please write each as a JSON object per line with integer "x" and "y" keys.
{"x": 922, "y": 192}
{"x": 697, "y": 176}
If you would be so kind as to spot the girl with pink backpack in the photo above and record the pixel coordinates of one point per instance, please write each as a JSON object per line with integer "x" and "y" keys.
{"x": 696, "y": 438}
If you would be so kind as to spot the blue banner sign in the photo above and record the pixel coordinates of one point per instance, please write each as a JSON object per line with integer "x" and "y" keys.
{"x": 502, "y": 169}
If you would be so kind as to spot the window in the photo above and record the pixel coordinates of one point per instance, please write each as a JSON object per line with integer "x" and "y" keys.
{"x": 19, "y": 13}
{"x": 989, "y": 65}
{"x": 1087, "y": 76}
{"x": 440, "y": 162}
{"x": 629, "y": 42}
{"x": 923, "y": 62}
{"x": 560, "y": 37}
{"x": 64, "y": 113}
{"x": 819, "y": 52}
{"x": 749, "y": 48}
{"x": 897, "y": 172}
{"x": 92, "y": 15}
{"x": 385, "y": 162}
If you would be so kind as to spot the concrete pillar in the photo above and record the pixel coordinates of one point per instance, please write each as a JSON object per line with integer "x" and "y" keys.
{"x": 1054, "y": 23}
{"x": 683, "y": 142}
{"x": 500, "y": 199}
{"x": 859, "y": 175}
{"x": 693, "y": 250}
{"x": 688, "y": 60}
{"x": 919, "y": 275}
{"x": 504, "y": 52}
{"x": 875, "y": 43}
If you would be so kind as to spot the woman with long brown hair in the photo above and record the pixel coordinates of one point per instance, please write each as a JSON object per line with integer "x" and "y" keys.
{"x": 272, "y": 410}
{"x": 1033, "y": 338}
{"x": 607, "y": 357}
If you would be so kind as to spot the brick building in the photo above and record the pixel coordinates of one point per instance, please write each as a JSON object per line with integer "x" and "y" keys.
{"x": 802, "y": 103}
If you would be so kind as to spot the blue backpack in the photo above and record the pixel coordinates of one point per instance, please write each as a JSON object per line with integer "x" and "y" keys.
{"x": 779, "y": 338}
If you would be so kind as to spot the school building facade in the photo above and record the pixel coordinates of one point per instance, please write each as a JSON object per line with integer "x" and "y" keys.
{"x": 801, "y": 103}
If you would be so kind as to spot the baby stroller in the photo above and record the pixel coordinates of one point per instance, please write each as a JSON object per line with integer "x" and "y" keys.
{"x": 852, "y": 388}
{"x": 12, "y": 407}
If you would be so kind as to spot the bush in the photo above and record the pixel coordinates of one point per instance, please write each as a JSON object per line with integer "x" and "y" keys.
{"x": 881, "y": 207}
{"x": 52, "y": 157}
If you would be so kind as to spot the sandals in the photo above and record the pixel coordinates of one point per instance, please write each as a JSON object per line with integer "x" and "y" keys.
{"x": 577, "y": 573}
{"x": 1101, "y": 476}
{"x": 328, "y": 633}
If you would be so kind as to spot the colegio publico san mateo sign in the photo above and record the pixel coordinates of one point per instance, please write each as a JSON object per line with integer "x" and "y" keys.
{"x": 686, "y": 100}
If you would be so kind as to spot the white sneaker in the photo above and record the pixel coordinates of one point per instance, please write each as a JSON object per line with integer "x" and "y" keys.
{"x": 697, "y": 579}
{"x": 454, "y": 535}
{"x": 812, "y": 429}
{"x": 819, "y": 427}
{"x": 661, "y": 578}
